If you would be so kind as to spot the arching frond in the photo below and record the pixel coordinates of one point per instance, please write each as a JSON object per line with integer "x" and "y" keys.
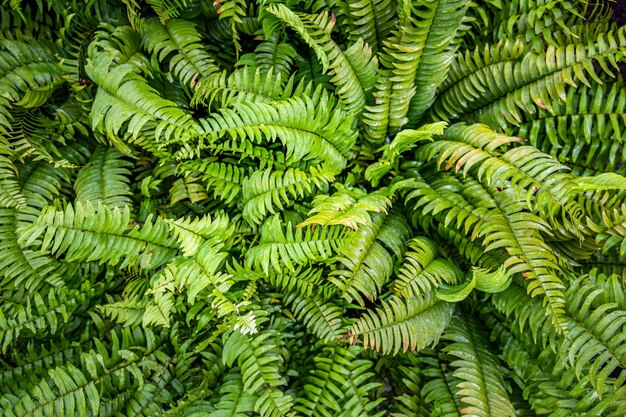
{"x": 124, "y": 98}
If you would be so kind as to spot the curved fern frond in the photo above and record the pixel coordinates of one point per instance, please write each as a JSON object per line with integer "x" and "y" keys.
{"x": 29, "y": 72}
{"x": 556, "y": 68}
{"x": 481, "y": 384}
{"x": 87, "y": 233}
{"x": 241, "y": 86}
{"x": 267, "y": 190}
{"x": 260, "y": 365}
{"x": 367, "y": 261}
{"x": 323, "y": 319}
{"x": 422, "y": 270}
{"x": 190, "y": 62}
{"x": 403, "y": 324}
{"x": 281, "y": 248}
{"x": 353, "y": 71}
{"x": 124, "y": 98}
{"x": 315, "y": 132}
{"x": 271, "y": 55}
{"x": 347, "y": 207}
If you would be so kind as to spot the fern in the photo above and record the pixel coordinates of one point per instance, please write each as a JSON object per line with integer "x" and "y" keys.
{"x": 318, "y": 208}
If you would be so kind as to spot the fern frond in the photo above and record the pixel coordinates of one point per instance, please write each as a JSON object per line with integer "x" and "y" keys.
{"x": 233, "y": 400}
{"x": 241, "y": 86}
{"x": 482, "y": 384}
{"x": 557, "y": 68}
{"x": 190, "y": 62}
{"x": 403, "y": 324}
{"x": 311, "y": 131}
{"x": 288, "y": 247}
{"x": 271, "y": 55}
{"x": 353, "y": 70}
{"x": 366, "y": 263}
{"x": 10, "y": 192}
{"x": 86, "y": 233}
{"x": 124, "y": 98}
{"x": 372, "y": 20}
{"x": 267, "y": 190}
{"x": 104, "y": 179}
{"x": 29, "y": 73}
{"x": 347, "y": 207}
{"x": 597, "y": 333}
{"x": 422, "y": 270}
{"x": 323, "y": 319}
{"x": 193, "y": 233}
{"x": 260, "y": 366}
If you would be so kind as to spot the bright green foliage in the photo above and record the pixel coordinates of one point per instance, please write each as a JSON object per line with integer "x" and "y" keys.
{"x": 356, "y": 208}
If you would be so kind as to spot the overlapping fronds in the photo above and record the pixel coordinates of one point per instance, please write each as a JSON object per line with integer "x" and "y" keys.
{"x": 346, "y": 208}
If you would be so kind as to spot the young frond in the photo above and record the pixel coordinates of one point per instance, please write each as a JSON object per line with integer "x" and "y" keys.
{"x": 347, "y": 207}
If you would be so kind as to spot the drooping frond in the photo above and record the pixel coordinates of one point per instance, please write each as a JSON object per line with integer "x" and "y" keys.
{"x": 29, "y": 73}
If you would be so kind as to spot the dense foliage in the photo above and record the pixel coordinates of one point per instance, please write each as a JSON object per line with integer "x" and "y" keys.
{"x": 312, "y": 208}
